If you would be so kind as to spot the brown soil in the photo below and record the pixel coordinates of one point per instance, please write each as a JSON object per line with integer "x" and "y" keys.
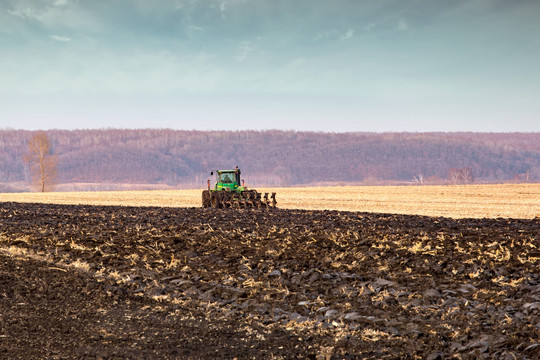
{"x": 126, "y": 282}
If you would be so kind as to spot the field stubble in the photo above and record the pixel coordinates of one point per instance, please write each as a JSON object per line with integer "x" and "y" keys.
{"x": 116, "y": 282}
{"x": 459, "y": 201}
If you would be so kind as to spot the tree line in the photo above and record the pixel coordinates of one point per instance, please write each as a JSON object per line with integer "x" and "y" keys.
{"x": 277, "y": 158}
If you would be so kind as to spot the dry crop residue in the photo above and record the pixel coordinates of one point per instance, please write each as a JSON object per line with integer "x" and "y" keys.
{"x": 97, "y": 281}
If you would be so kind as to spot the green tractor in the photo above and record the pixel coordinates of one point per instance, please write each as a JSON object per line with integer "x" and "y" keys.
{"x": 228, "y": 193}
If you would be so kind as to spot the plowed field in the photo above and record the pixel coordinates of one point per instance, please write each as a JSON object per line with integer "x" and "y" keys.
{"x": 128, "y": 282}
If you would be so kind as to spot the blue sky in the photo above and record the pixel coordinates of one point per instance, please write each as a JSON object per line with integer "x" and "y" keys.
{"x": 321, "y": 65}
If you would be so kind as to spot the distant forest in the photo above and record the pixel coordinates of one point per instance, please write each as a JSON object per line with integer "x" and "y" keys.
{"x": 162, "y": 158}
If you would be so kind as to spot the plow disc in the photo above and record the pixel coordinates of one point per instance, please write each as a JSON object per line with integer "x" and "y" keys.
{"x": 245, "y": 199}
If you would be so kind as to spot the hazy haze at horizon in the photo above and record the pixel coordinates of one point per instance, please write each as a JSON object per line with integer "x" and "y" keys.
{"x": 316, "y": 65}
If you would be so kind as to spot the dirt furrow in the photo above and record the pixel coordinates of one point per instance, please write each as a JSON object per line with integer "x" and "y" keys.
{"x": 282, "y": 283}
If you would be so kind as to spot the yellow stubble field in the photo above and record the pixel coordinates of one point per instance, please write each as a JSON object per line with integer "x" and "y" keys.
{"x": 459, "y": 201}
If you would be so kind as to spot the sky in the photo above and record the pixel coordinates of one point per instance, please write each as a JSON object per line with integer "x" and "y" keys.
{"x": 307, "y": 65}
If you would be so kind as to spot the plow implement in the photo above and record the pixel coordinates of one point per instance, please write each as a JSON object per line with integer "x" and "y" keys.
{"x": 246, "y": 199}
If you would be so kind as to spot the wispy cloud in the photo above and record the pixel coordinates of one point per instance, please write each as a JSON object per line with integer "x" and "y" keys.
{"x": 223, "y": 8}
{"x": 326, "y": 34}
{"x": 37, "y": 10}
{"x": 25, "y": 13}
{"x": 195, "y": 28}
{"x": 349, "y": 34}
{"x": 334, "y": 34}
{"x": 403, "y": 25}
{"x": 369, "y": 27}
{"x": 244, "y": 49}
{"x": 60, "y": 38}
{"x": 52, "y": 13}
{"x": 60, "y": 2}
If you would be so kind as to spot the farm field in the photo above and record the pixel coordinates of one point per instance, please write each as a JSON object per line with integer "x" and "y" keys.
{"x": 460, "y": 201}
{"x": 81, "y": 281}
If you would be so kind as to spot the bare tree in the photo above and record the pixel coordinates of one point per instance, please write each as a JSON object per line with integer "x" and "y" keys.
{"x": 41, "y": 161}
{"x": 467, "y": 175}
{"x": 454, "y": 175}
{"x": 460, "y": 176}
{"x": 419, "y": 179}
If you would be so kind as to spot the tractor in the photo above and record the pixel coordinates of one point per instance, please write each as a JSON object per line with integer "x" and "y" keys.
{"x": 228, "y": 193}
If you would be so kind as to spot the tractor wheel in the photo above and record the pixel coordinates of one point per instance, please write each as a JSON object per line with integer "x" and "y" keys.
{"x": 216, "y": 199}
{"x": 206, "y": 200}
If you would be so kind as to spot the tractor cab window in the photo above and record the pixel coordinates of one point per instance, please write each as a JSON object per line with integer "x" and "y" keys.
{"x": 227, "y": 178}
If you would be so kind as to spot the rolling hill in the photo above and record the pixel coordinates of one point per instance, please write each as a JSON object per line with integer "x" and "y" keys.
{"x": 152, "y": 158}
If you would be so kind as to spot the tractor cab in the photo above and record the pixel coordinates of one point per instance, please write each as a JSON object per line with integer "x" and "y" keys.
{"x": 228, "y": 180}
